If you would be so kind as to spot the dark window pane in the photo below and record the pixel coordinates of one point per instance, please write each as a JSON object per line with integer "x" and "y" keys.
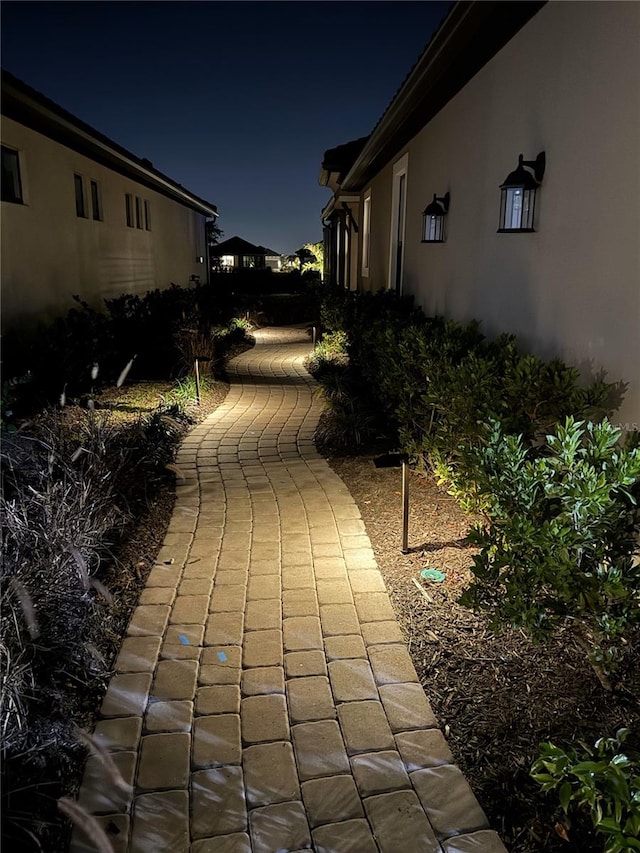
{"x": 147, "y": 215}
{"x": 138, "y": 212}
{"x": 129, "y": 208}
{"x": 11, "y": 183}
{"x": 80, "y": 207}
{"x": 96, "y": 209}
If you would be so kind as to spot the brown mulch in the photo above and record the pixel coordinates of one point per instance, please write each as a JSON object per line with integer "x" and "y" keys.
{"x": 496, "y": 696}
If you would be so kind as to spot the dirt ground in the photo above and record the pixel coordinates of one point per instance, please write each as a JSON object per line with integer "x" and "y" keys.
{"x": 496, "y": 697}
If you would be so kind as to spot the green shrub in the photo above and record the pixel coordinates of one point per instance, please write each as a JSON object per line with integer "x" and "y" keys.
{"x": 603, "y": 779}
{"x": 560, "y": 539}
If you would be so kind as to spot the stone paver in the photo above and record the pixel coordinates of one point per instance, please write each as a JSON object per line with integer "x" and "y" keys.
{"x": 263, "y": 698}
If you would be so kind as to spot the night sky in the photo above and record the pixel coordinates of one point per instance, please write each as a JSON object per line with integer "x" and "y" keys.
{"x": 235, "y": 100}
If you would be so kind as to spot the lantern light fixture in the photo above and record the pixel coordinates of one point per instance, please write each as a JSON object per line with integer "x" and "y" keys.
{"x": 433, "y": 219}
{"x": 518, "y": 195}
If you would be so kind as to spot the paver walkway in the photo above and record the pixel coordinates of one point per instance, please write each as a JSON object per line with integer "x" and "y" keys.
{"x": 264, "y": 699}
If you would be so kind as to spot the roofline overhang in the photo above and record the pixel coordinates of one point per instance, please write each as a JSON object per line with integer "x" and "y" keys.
{"x": 470, "y": 35}
{"x": 339, "y": 198}
{"x": 29, "y": 107}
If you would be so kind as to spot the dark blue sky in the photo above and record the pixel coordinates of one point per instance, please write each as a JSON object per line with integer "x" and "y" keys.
{"x": 235, "y": 100}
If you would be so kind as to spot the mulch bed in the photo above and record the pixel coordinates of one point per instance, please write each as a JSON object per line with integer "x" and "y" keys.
{"x": 496, "y": 696}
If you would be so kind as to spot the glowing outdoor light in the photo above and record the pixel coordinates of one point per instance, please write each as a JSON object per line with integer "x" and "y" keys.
{"x": 518, "y": 195}
{"x": 433, "y": 219}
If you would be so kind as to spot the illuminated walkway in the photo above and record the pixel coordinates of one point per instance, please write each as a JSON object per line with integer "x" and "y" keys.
{"x": 264, "y": 699}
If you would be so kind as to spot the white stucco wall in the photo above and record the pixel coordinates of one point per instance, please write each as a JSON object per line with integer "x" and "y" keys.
{"x": 49, "y": 253}
{"x": 569, "y": 84}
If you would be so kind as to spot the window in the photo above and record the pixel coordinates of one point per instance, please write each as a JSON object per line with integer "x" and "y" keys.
{"x": 398, "y": 216}
{"x": 147, "y": 215}
{"x": 11, "y": 183}
{"x": 96, "y": 205}
{"x": 81, "y": 209}
{"x": 366, "y": 232}
{"x": 138, "y": 212}
{"x": 128, "y": 199}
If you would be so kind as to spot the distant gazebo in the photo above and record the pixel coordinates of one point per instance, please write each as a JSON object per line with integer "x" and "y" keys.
{"x": 236, "y": 254}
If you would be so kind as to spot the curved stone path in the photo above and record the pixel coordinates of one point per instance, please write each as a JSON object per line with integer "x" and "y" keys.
{"x": 264, "y": 700}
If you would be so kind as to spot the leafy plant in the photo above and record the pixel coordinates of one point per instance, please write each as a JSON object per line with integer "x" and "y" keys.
{"x": 605, "y": 779}
{"x": 560, "y": 537}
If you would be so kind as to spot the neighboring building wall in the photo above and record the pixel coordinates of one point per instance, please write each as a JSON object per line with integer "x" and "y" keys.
{"x": 567, "y": 83}
{"x": 49, "y": 253}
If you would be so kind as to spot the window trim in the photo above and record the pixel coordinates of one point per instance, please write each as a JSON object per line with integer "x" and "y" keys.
{"x": 366, "y": 233}
{"x": 81, "y": 201}
{"x": 400, "y": 169}
{"x": 128, "y": 206}
{"x": 18, "y": 196}
{"x": 96, "y": 201}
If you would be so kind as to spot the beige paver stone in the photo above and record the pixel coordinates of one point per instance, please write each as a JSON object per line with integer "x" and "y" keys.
{"x": 228, "y": 599}
{"x": 423, "y": 748}
{"x": 169, "y": 716}
{"x": 216, "y": 741}
{"x": 263, "y": 615}
{"x": 219, "y": 699}
{"x": 148, "y": 619}
{"x": 224, "y": 629}
{"x": 345, "y": 509}
{"x": 339, "y": 619}
{"x": 232, "y": 561}
{"x": 331, "y": 799}
{"x": 264, "y": 587}
{"x": 119, "y": 734}
{"x": 407, "y": 707}
{"x": 295, "y": 558}
{"x": 330, "y": 568}
{"x": 262, "y": 648}
{"x": 270, "y": 773}
{"x": 195, "y": 586}
{"x": 344, "y": 647}
{"x": 262, "y": 679}
{"x": 374, "y": 607}
{"x": 299, "y": 602}
{"x": 399, "y": 823}
{"x": 279, "y": 827}
{"x": 391, "y": 664}
{"x": 378, "y": 633}
{"x": 126, "y": 695}
{"x": 351, "y": 836}
{"x": 175, "y": 679}
{"x": 378, "y": 772}
{"x": 264, "y": 718}
{"x": 220, "y": 665}
{"x": 180, "y": 652}
{"x": 334, "y": 591}
{"x": 157, "y": 595}
{"x": 366, "y": 581}
{"x": 200, "y": 567}
{"x": 138, "y": 654}
{"x": 319, "y": 750}
{"x": 300, "y": 664}
{"x": 448, "y": 800}
{"x": 484, "y": 841}
{"x": 167, "y": 577}
{"x": 188, "y": 635}
{"x": 164, "y": 761}
{"x": 98, "y": 795}
{"x": 352, "y": 680}
{"x": 360, "y": 559}
{"x": 364, "y": 727}
{"x": 266, "y": 551}
{"x": 237, "y": 842}
{"x": 310, "y": 699}
{"x": 328, "y": 549}
{"x": 263, "y": 567}
{"x": 160, "y": 822}
{"x": 114, "y": 826}
{"x": 301, "y": 633}
{"x": 218, "y": 802}
{"x": 189, "y": 609}
{"x": 230, "y": 577}
{"x": 298, "y": 578}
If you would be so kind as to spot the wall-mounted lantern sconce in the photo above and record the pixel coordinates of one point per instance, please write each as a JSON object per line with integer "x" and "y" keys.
{"x": 433, "y": 219}
{"x": 518, "y": 195}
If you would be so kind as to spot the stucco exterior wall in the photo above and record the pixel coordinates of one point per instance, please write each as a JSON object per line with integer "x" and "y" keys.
{"x": 567, "y": 83}
{"x": 49, "y": 253}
